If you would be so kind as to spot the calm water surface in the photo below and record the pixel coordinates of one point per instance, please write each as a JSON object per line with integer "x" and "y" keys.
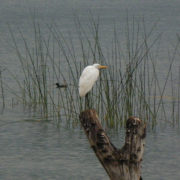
{"x": 39, "y": 150}
{"x": 30, "y": 149}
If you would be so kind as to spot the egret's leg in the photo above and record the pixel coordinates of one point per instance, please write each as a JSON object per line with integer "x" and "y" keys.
{"x": 87, "y": 103}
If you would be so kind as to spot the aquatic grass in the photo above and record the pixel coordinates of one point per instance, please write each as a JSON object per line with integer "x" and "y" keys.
{"x": 34, "y": 67}
{"x": 129, "y": 87}
{"x": 178, "y": 101}
{"x": 2, "y": 87}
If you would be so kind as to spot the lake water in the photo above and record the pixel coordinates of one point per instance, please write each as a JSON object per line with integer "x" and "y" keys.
{"x": 39, "y": 150}
{"x": 34, "y": 149}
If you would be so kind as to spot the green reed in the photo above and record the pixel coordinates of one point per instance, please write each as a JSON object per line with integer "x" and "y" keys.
{"x": 130, "y": 86}
{"x": 2, "y": 87}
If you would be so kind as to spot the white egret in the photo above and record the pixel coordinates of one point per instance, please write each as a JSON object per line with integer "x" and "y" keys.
{"x": 88, "y": 77}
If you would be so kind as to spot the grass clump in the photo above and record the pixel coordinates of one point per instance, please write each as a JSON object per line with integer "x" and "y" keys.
{"x": 130, "y": 86}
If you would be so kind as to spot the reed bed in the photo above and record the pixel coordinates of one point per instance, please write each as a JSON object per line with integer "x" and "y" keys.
{"x": 129, "y": 87}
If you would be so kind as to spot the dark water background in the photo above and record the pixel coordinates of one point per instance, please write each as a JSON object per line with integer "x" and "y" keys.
{"x": 30, "y": 149}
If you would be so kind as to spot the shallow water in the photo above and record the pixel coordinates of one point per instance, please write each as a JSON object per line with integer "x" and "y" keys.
{"x": 31, "y": 149}
{"x": 39, "y": 150}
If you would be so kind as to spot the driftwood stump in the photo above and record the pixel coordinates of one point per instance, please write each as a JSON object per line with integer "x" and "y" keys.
{"x": 121, "y": 164}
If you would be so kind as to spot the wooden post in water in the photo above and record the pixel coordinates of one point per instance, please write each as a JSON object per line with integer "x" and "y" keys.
{"x": 121, "y": 164}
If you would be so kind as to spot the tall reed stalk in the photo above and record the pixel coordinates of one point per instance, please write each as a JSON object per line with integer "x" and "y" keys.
{"x": 130, "y": 86}
{"x": 2, "y": 88}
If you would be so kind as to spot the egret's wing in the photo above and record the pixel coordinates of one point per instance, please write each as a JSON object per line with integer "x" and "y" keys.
{"x": 88, "y": 77}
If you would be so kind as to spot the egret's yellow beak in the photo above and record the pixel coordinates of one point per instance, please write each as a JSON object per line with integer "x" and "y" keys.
{"x": 103, "y": 67}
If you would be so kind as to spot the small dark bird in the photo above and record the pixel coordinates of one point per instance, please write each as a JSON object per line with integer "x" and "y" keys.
{"x": 61, "y": 86}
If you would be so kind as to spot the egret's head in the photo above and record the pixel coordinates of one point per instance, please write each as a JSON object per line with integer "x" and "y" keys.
{"x": 98, "y": 66}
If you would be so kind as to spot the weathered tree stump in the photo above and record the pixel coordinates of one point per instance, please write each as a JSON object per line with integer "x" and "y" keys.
{"x": 121, "y": 164}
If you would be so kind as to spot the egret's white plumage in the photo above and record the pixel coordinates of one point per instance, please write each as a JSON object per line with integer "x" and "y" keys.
{"x": 88, "y": 77}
